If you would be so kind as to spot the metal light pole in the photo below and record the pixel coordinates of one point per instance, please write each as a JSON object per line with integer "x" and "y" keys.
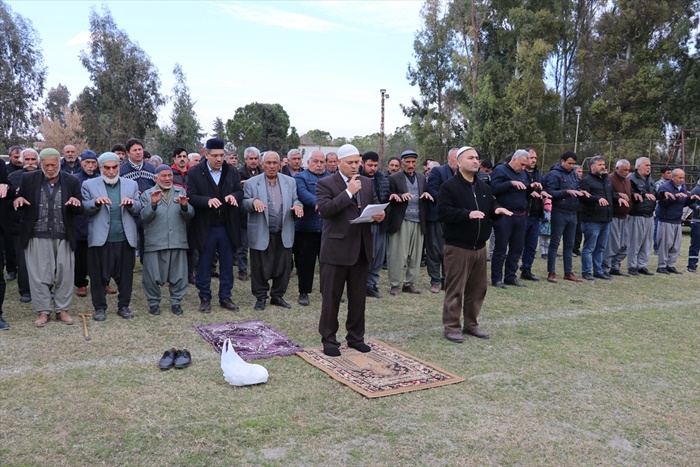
{"x": 578, "y": 117}
{"x": 381, "y": 128}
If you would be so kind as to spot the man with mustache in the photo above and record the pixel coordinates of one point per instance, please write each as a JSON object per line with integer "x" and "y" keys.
{"x": 50, "y": 200}
{"x": 165, "y": 219}
{"x": 111, "y": 202}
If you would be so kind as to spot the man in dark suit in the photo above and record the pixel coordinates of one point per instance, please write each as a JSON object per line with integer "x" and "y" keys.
{"x": 346, "y": 250}
{"x": 214, "y": 189}
{"x": 3, "y": 199}
{"x": 50, "y": 199}
{"x": 407, "y": 224}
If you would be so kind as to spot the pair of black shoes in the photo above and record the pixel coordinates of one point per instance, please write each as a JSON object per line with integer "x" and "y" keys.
{"x": 175, "y": 358}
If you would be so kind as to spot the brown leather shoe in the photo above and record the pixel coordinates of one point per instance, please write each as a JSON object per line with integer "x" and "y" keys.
{"x": 552, "y": 277}
{"x": 394, "y": 291}
{"x": 454, "y": 337}
{"x": 64, "y": 318}
{"x": 571, "y": 277}
{"x": 435, "y": 288}
{"x": 42, "y": 320}
{"x": 410, "y": 289}
{"x": 82, "y": 292}
{"x": 109, "y": 290}
{"x": 476, "y": 332}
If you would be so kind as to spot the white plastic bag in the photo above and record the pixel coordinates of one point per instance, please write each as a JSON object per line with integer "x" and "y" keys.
{"x": 237, "y": 372}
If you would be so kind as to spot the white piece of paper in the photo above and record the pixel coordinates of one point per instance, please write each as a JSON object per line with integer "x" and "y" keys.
{"x": 369, "y": 211}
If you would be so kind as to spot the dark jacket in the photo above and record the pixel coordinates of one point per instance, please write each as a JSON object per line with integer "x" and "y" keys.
{"x": 30, "y": 189}
{"x": 535, "y": 207}
{"x": 146, "y": 179}
{"x": 507, "y": 195}
{"x": 245, "y": 175}
{"x": 556, "y": 182}
{"x": 306, "y": 191}
{"x": 82, "y": 221}
{"x": 671, "y": 210}
{"x": 341, "y": 241}
{"x": 200, "y": 189}
{"x": 77, "y": 168}
{"x": 600, "y": 187}
{"x": 621, "y": 185}
{"x": 4, "y": 202}
{"x": 437, "y": 177}
{"x": 285, "y": 170}
{"x": 458, "y": 198}
{"x": 641, "y": 186}
{"x": 696, "y": 206}
{"x": 396, "y": 211}
{"x": 179, "y": 178}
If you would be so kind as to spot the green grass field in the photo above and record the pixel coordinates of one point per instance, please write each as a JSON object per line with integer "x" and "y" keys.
{"x": 602, "y": 373}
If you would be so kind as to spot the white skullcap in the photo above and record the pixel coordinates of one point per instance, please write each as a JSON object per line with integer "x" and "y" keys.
{"x": 462, "y": 150}
{"x": 347, "y": 150}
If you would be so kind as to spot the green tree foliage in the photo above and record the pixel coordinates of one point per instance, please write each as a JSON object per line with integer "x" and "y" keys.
{"x": 434, "y": 75}
{"x": 638, "y": 45}
{"x": 57, "y": 100}
{"x": 219, "y": 129}
{"x": 501, "y": 73}
{"x": 265, "y": 126}
{"x": 124, "y": 99}
{"x": 22, "y": 76}
{"x": 293, "y": 139}
{"x": 184, "y": 130}
{"x": 317, "y": 137}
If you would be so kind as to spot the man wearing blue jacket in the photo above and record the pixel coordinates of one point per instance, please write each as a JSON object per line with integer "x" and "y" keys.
{"x": 512, "y": 189}
{"x": 307, "y": 229}
{"x": 562, "y": 184}
{"x": 694, "y": 233}
{"x": 673, "y": 197}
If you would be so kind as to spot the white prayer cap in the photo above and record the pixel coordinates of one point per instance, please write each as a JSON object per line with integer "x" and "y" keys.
{"x": 347, "y": 150}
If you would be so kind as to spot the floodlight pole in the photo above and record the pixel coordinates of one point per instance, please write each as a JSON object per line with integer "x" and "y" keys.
{"x": 381, "y": 128}
{"x": 578, "y": 117}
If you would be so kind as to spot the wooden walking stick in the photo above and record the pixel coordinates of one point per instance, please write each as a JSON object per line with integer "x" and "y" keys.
{"x": 84, "y": 316}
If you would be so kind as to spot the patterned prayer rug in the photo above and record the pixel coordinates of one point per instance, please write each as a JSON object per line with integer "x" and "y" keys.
{"x": 250, "y": 339}
{"x": 384, "y": 371}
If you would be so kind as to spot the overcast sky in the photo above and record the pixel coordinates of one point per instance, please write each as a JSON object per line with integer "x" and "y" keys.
{"x": 323, "y": 61}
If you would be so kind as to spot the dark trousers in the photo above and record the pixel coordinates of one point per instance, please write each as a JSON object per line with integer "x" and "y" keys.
{"x": 510, "y": 237}
{"x": 274, "y": 263}
{"x": 333, "y": 280}
{"x": 113, "y": 260}
{"x": 694, "y": 245}
{"x": 241, "y": 256}
{"x": 2, "y": 267}
{"x": 10, "y": 253}
{"x": 532, "y": 232}
{"x": 22, "y": 274}
{"x": 434, "y": 245}
{"x": 217, "y": 241}
{"x": 307, "y": 246}
{"x": 563, "y": 226}
{"x": 81, "y": 267}
{"x": 579, "y": 234}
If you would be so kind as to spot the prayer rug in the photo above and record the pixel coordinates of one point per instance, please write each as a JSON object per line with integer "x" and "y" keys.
{"x": 384, "y": 371}
{"x": 250, "y": 339}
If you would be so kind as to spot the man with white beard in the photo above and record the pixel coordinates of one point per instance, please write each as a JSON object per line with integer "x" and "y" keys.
{"x": 111, "y": 202}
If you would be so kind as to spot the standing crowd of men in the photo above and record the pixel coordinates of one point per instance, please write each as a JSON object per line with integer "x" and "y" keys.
{"x": 80, "y": 221}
